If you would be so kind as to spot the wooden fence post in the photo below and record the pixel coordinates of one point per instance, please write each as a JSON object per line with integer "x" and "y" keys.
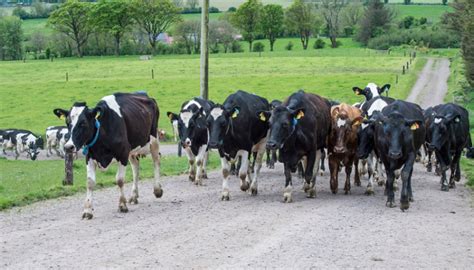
{"x": 403, "y": 69}
{"x": 69, "y": 174}
{"x": 152, "y": 74}
{"x": 67, "y": 77}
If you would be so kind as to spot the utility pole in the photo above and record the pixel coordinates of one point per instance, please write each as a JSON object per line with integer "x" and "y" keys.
{"x": 205, "y": 49}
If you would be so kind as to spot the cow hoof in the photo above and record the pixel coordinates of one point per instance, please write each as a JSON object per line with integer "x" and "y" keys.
{"x": 133, "y": 200}
{"x": 311, "y": 193}
{"x": 347, "y": 192}
{"x": 390, "y": 204}
{"x": 369, "y": 191}
{"x": 158, "y": 192}
{"x": 87, "y": 215}
{"x": 192, "y": 178}
{"x": 404, "y": 205}
{"x": 244, "y": 186}
{"x": 123, "y": 208}
{"x": 444, "y": 188}
{"x": 452, "y": 185}
{"x": 428, "y": 169}
{"x": 358, "y": 184}
{"x": 253, "y": 191}
{"x": 204, "y": 176}
{"x": 411, "y": 199}
{"x": 198, "y": 182}
{"x": 380, "y": 182}
{"x": 287, "y": 198}
{"x": 334, "y": 191}
{"x": 225, "y": 196}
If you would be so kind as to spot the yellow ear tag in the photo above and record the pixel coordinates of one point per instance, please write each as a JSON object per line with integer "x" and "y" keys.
{"x": 299, "y": 115}
{"x": 170, "y": 117}
{"x": 414, "y": 126}
{"x": 234, "y": 115}
{"x": 97, "y": 115}
{"x": 357, "y": 122}
{"x": 262, "y": 117}
{"x": 62, "y": 117}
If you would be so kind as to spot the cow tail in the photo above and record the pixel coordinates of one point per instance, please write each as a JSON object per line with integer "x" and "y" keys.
{"x": 156, "y": 116}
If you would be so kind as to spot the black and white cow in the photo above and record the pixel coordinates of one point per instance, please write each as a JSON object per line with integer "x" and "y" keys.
{"x": 193, "y": 135}
{"x": 365, "y": 150}
{"x": 52, "y": 139}
{"x": 122, "y": 126}
{"x": 449, "y": 134}
{"x": 299, "y": 129}
{"x": 21, "y": 140}
{"x": 236, "y": 130}
{"x": 399, "y": 134}
{"x": 272, "y": 154}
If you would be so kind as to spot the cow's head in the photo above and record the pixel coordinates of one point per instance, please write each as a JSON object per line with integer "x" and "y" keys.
{"x": 34, "y": 146}
{"x": 283, "y": 123}
{"x": 343, "y": 129}
{"x": 173, "y": 119}
{"x": 440, "y": 129}
{"x": 396, "y": 129}
{"x": 365, "y": 139}
{"x": 219, "y": 123}
{"x": 371, "y": 90}
{"x": 80, "y": 121}
{"x": 189, "y": 123}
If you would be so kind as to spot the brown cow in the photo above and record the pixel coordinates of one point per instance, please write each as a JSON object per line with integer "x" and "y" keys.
{"x": 342, "y": 145}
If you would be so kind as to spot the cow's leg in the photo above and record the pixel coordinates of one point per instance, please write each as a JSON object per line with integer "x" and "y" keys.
{"x": 244, "y": 170}
{"x": 120, "y": 179}
{"x": 191, "y": 161}
{"x": 274, "y": 159}
{"x": 90, "y": 184}
{"x": 442, "y": 171}
{"x": 287, "y": 196}
{"x": 348, "y": 167}
{"x": 135, "y": 163}
{"x": 225, "y": 179}
{"x": 355, "y": 161}
{"x": 268, "y": 161}
{"x": 455, "y": 173}
{"x": 48, "y": 148}
{"x": 311, "y": 171}
{"x": 370, "y": 183}
{"x": 17, "y": 150}
{"x": 204, "y": 165}
{"x": 389, "y": 189}
{"x": 155, "y": 155}
{"x": 406, "y": 175}
{"x": 260, "y": 151}
{"x": 334, "y": 170}
{"x": 362, "y": 166}
{"x": 252, "y": 167}
{"x": 323, "y": 158}
{"x": 429, "y": 166}
{"x": 200, "y": 159}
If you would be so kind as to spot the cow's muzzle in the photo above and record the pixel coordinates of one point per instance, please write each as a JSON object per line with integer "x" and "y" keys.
{"x": 395, "y": 154}
{"x": 272, "y": 145}
{"x": 213, "y": 145}
{"x": 339, "y": 149}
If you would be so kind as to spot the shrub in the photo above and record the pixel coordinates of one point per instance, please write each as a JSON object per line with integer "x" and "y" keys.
{"x": 319, "y": 44}
{"x": 289, "y": 46}
{"x": 423, "y": 20}
{"x": 236, "y": 47}
{"x": 20, "y": 13}
{"x": 232, "y": 9}
{"x": 433, "y": 38}
{"x": 258, "y": 47}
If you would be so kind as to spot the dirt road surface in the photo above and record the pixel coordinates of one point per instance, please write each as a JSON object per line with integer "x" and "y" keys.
{"x": 191, "y": 228}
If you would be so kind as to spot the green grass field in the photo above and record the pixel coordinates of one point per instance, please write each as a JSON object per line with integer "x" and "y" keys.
{"x": 432, "y": 12}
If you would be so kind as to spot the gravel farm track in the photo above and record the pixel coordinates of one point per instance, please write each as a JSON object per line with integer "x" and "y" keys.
{"x": 190, "y": 227}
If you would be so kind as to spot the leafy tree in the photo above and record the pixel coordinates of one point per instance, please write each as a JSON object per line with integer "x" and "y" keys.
{"x": 113, "y": 17}
{"x": 377, "y": 18}
{"x": 222, "y": 32}
{"x": 247, "y": 20}
{"x": 319, "y": 44}
{"x": 259, "y": 47}
{"x": 351, "y": 15}
{"x": 193, "y": 4}
{"x": 444, "y": 2}
{"x": 189, "y": 32}
{"x": 178, "y": 3}
{"x": 73, "y": 20}
{"x": 331, "y": 11}
{"x": 300, "y": 18}
{"x": 155, "y": 17}
{"x": 38, "y": 41}
{"x": 272, "y": 21}
{"x": 20, "y": 13}
{"x": 407, "y": 2}
{"x": 11, "y": 36}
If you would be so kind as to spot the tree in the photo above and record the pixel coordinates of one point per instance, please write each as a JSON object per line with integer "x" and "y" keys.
{"x": 352, "y": 14}
{"x": 38, "y": 41}
{"x": 11, "y": 36}
{"x": 331, "y": 11}
{"x": 178, "y": 3}
{"x": 444, "y": 2}
{"x": 189, "y": 32}
{"x": 461, "y": 22}
{"x": 193, "y": 4}
{"x": 259, "y": 47}
{"x": 155, "y": 17}
{"x": 300, "y": 18}
{"x": 113, "y": 17}
{"x": 221, "y": 32}
{"x": 407, "y": 2}
{"x": 272, "y": 21}
{"x": 73, "y": 19}
{"x": 247, "y": 20}
{"x": 377, "y": 18}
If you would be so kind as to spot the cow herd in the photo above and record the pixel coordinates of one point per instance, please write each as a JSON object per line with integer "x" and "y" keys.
{"x": 379, "y": 136}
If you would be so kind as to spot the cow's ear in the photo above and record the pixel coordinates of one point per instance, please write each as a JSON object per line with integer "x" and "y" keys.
{"x": 414, "y": 124}
{"x": 357, "y": 121}
{"x": 384, "y": 88}
{"x": 97, "y": 112}
{"x": 357, "y": 90}
{"x": 298, "y": 114}
{"x": 60, "y": 113}
{"x": 335, "y": 111}
{"x": 199, "y": 112}
{"x": 172, "y": 116}
{"x": 235, "y": 112}
{"x": 264, "y": 116}
{"x": 377, "y": 117}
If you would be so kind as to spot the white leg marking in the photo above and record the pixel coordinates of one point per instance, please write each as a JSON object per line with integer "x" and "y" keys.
{"x": 225, "y": 179}
{"x": 244, "y": 170}
{"x": 200, "y": 163}
{"x": 260, "y": 149}
{"x": 120, "y": 178}
{"x": 155, "y": 154}
{"x": 90, "y": 183}
{"x": 192, "y": 163}
{"x": 135, "y": 169}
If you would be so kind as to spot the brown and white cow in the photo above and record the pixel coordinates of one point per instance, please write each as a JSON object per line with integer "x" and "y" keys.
{"x": 342, "y": 143}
